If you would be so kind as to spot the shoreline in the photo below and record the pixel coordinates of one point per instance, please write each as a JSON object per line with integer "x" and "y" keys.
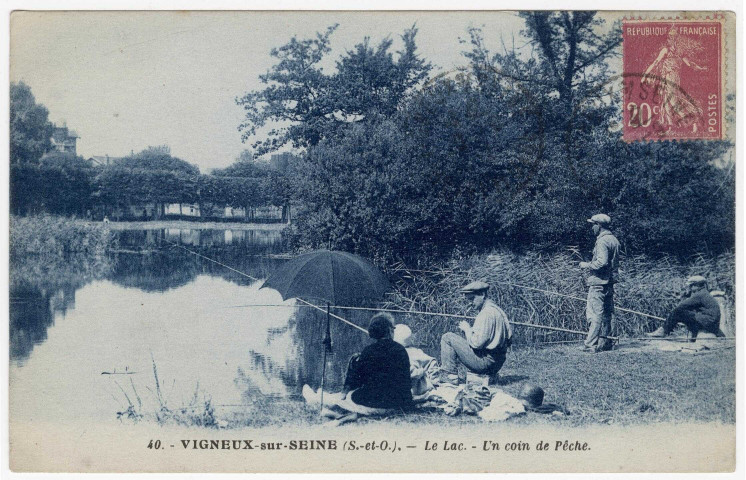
{"x": 183, "y": 224}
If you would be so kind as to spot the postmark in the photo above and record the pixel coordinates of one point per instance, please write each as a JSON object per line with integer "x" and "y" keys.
{"x": 673, "y": 79}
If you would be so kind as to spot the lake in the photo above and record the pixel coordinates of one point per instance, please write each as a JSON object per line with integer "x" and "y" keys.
{"x": 85, "y": 334}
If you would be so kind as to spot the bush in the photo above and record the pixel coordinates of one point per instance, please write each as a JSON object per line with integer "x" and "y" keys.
{"x": 452, "y": 171}
{"x": 50, "y": 235}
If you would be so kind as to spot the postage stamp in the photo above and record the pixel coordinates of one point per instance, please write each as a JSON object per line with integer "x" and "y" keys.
{"x": 673, "y": 79}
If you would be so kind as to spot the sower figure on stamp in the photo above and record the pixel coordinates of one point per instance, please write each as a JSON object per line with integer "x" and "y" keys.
{"x": 697, "y": 310}
{"x": 603, "y": 270}
{"x": 666, "y": 70}
{"x": 484, "y": 346}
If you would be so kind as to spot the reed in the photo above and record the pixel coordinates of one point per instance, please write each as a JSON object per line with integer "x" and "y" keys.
{"x": 198, "y": 412}
{"x": 58, "y": 236}
{"x": 648, "y": 285}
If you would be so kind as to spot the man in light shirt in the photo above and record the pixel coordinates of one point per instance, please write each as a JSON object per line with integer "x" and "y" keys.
{"x": 484, "y": 346}
{"x": 602, "y": 275}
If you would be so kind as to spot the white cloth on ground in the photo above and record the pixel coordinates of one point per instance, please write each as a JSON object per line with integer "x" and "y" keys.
{"x": 335, "y": 400}
{"x": 422, "y": 369}
{"x": 502, "y": 406}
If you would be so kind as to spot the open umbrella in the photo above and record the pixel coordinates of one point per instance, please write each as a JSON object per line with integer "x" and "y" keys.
{"x": 333, "y": 277}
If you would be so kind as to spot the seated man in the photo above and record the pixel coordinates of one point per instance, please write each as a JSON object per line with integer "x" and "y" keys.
{"x": 484, "y": 345}
{"x": 698, "y": 311}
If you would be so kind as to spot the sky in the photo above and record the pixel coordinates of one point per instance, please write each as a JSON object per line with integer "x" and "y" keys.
{"x": 127, "y": 80}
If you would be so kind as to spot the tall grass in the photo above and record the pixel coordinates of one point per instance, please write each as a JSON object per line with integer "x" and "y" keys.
{"x": 59, "y": 236}
{"x": 198, "y": 412}
{"x": 646, "y": 285}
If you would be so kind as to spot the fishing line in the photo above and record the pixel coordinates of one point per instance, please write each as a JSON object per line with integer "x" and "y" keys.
{"x": 531, "y": 325}
{"x": 547, "y": 292}
{"x": 416, "y": 312}
{"x": 256, "y": 279}
{"x": 211, "y": 260}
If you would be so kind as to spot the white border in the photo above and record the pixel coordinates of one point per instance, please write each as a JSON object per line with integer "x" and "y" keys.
{"x": 638, "y": 5}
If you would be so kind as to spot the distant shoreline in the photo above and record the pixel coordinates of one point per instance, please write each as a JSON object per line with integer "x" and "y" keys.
{"x": 183, "y": 224}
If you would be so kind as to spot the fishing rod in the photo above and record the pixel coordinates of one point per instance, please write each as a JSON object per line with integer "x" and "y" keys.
{"x": 416, "y": 312}
{"x": 549, "y": 292}
{"x": 530, "y": 325}
{"x": 309, "y": 304}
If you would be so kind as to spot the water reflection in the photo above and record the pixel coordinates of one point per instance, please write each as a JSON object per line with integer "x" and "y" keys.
{"x": 43, "y": 288}
{"x": 304, "y": 364}
{"x": 188, "y": 313}
{"x": 265, "y": 241}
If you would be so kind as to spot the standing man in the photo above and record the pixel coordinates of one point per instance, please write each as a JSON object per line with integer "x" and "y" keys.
{"x": 603, "y": 270}
{"x": 484, "y": 346}
{"x": 697, "y": 310}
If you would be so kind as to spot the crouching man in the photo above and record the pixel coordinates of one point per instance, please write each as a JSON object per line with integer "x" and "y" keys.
{"x": 698, "y": 311}
{"x": 484, "y": 346}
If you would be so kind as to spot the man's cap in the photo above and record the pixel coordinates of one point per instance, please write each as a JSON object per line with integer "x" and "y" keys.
{"x": 532, "y": 394}
{"x": 403, "y": 335}
{"x": 475, "y": 287}
{"x": 601, "y": 219}
{"x": 696, "y": 280}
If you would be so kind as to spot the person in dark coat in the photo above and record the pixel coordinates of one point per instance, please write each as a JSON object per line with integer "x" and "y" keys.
{"x": 379, "y": 376}
{"x": 697, "y": 310}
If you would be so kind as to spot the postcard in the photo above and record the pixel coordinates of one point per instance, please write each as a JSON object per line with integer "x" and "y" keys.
{"x": 372, "y": 241}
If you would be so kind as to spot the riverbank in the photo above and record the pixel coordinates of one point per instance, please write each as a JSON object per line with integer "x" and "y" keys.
{"x": 183, "y": 224}
{"x": 58, "y": 236}
{"x": 637, "y": 383}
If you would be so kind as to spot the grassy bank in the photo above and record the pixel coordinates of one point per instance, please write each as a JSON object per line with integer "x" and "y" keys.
{"x": 645, "y": 285}
{"x": 635, "y": 384}
{"x": 57, "y": 236}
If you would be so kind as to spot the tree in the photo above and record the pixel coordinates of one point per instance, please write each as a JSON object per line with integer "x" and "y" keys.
{"x": 152, "y": 175}
{"x": 572, "y": 52}
{"x": 157, "y": 159}
{"x": 30, "y": 129}
{"x": 59, "y": 183}
{"x": 351, "y": 194}
{"x": 493, "y": 157}
{"x": 370, "y": 82}
{"x": 307, "y": 105}
{"x": 67, "y": 183}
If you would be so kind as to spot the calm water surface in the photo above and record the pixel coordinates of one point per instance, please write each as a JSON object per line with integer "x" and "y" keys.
{"x": 85, "y": 334}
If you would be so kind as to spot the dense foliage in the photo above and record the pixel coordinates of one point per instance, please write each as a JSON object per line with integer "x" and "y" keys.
{"x": 59, "y": 183}
{"x": 514, "y": 151}
{"x": 64, "y": 184}
{"x": 304, "y": 105}
{"x": 30, "y": 128}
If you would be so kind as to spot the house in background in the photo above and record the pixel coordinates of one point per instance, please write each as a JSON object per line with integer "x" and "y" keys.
{"x": 102, "y": 160}
{"x": 64, "y": 140}
{"x": 182, "y": 209}
{"x": 234, "y": 212}
{"x": 281, "y": 161}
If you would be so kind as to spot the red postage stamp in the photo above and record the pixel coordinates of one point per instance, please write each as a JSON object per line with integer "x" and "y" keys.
{"x": 673, "y": 79}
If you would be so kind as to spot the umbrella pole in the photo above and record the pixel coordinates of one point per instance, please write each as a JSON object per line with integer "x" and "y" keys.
{"x": 327, "y": 348}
